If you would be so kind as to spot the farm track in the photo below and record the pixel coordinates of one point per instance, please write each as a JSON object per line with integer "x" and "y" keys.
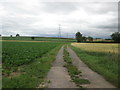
{"x": 96, "y": 80}
{"x": 58, "y": 75}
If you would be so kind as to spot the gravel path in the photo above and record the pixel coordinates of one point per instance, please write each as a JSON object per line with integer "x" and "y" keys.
{"x": 58, "y": 75}
{"x": 96, "y": 80}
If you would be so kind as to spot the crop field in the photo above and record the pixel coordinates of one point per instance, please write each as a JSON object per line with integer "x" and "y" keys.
{"x": 97, "y": 47}
{"x": 25, "y": 61}
{"x": 19, "y": 53}
{"x": 102, "y": 58}
{"x": 40, "y": 39}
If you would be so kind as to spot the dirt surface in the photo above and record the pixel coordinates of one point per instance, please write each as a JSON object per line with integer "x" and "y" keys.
{"x": 96, "y": 80}
{"x": 58, "y": 76}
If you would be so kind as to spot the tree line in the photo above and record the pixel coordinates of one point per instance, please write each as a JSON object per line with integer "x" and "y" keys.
{"x": 80, "y": 38}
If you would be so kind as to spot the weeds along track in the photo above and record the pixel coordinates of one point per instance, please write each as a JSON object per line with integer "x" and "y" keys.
{"x": 73, "y": 71}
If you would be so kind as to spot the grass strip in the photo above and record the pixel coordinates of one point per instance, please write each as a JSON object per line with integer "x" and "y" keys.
{"x": 74, "y": 73}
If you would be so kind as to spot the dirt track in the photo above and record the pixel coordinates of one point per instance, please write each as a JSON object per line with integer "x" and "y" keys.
{"x": 58, "y": 75}
{"x": 96, "y": 80}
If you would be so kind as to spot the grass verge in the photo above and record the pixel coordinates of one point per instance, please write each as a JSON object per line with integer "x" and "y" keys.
{"x": 33, "y": 74}
{"x": 74, "y": 73}
{"x": 102, "y": 63}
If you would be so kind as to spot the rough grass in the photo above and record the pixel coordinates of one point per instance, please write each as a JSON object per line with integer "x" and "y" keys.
{"x": 103, "y": 63}
{"x": 81, "y": 81}
{"x": 34, "y": 73}
{"x": 73, "y": 71}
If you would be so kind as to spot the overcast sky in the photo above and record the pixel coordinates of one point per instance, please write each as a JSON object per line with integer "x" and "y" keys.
{"x": 35, "y": 18}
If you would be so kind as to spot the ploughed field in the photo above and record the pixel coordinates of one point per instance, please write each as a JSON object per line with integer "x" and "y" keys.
{"x": 100, "y": 57}
{"x": 26, "y": 63}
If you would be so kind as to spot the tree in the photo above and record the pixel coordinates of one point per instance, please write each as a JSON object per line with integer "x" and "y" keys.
{"x": 32, "y": 38}
{"x": 10, "y": 35}
{"x": 17, "y": 35}
{"x": 116, "y": 36}
{"x": 90, "y": 38}
{"x": 78, "y": 37}
{"x": 84, "y": 38}
{"x": 0, "y": 35}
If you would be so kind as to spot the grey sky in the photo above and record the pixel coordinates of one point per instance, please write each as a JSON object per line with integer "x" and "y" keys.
{"x": 35, "y": 18}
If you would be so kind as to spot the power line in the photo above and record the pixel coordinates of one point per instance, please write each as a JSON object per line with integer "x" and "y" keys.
{"x": 67, "y": 35}
{"x": 59, "y": 36}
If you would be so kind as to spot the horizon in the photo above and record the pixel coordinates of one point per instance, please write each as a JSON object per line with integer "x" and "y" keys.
{"x": 50, "y": 37}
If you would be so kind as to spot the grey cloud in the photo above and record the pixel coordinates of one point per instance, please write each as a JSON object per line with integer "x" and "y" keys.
{"x": 113, "y": 27}
{"x": 68, "y": 7}
{"x": 108, "y": 27}
{"x": 60, "y": 7}
{"x": 17, "y": 8}
{"x": 101, "y": 7}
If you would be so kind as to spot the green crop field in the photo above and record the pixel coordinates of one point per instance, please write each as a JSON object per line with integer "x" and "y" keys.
{"x": 26, "y": 63}
{"x": 40, "y": 39}
{"x": 18, "y": 53}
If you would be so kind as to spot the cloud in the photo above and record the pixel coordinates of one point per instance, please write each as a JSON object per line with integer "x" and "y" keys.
{"x": 60, "y": 7}
{"x": 32, "y": 17}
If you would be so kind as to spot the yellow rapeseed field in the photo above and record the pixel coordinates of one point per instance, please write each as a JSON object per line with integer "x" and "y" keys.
{"x": 97, "y": 47}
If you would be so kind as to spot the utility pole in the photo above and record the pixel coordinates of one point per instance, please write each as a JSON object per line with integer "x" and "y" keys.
{"x": 67, "y": 35}
{"x": 59, "y": 31}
